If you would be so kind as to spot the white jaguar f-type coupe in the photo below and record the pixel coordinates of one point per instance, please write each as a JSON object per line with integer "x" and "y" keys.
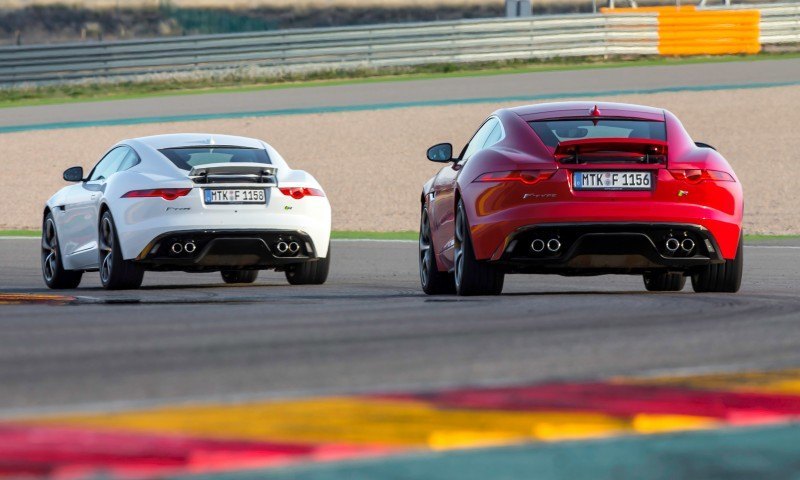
{"x": 186, "y": 202}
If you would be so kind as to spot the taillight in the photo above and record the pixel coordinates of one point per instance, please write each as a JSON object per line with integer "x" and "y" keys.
{"x": 699, "y": 175}
{"x": 165, "y": 193}
{"x": 299, "y": 192}
{"x": 528, "y": 177}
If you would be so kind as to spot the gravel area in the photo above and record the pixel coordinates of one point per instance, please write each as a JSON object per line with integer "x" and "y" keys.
{"x": 372, "y": 164}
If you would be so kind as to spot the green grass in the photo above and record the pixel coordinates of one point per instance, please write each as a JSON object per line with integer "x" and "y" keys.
{"x": 354, "y": 235}
{"x": 20, "y": 233}
{"x": 771, "y": 237}
{"x": 57, "y": 94}
{"x": 397, "y": 235}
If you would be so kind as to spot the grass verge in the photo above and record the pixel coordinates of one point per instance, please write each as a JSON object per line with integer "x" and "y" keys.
{"x": 397, "y": 235}
{"x": 55, "y": 94}
{"x": 20, "y": 233}
{"x": 355, "y": 235}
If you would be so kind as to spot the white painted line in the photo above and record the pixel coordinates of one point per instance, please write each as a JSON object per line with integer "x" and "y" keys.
{"x": 788, "y": 247}
{"x": 20, "y": 238}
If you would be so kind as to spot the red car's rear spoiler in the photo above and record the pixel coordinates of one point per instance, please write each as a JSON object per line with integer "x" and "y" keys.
{"x": 617, "y": 147}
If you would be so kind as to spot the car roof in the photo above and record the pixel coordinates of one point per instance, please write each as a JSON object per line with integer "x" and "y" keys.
{"x": 544, "y": 111}
{"x": 176, "y": 140}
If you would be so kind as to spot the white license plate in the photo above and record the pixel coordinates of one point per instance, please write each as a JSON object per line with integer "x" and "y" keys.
{"x": 612, "y": 180}
{"x": 235, "y": 195}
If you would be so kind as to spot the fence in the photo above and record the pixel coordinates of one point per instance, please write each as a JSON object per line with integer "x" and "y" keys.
{"x": 375, "y": 46}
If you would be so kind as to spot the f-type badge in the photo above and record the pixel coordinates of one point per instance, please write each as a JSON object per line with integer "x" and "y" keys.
{"x": 539, "y": 195}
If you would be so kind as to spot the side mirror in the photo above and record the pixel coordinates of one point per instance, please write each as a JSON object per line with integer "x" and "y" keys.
{"x": 704, "y": 145}
{"x": 73, "y": 174}
{"x": 441, "y": 153}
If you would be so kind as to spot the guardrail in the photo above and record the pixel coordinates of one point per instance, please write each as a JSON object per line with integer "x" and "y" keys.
{"x": 362, "y": 47}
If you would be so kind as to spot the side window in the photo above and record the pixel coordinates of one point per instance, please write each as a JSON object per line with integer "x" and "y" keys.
{"x": 479, "y": 140}
{"x": 494, "y": 137}
{"x": 108, "y": 164}
{"x": 131, "y": 159}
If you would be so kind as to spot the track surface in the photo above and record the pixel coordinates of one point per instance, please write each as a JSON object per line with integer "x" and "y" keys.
{"x": 537, "y": 84}
{"x": 370, "y": 328}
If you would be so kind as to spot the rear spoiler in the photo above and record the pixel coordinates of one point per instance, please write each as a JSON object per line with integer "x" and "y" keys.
{"x": 264, "y": 175}
{"x": 642, "y": 150}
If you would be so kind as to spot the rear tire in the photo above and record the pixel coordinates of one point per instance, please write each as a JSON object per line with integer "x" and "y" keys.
{"x": 310, "y": 273}
{"x": 722, "y": 277}
{"x": 239, "y": 276}
{"x": 472, "y": 277}
{"x": 664, "y": 282}
{"x": 53, "y": 272}
{"x": 434, "y": 282}
{"x": 116, "y": 273}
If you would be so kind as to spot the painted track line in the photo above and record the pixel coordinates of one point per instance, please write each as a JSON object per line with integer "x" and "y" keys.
{"x": 387, "y": 106}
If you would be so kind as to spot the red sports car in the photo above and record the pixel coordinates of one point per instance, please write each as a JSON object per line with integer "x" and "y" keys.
{"x": 577, "y": 188}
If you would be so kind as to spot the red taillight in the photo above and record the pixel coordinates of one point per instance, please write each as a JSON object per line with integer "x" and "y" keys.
{"x": 528, "y": 177}
{"x": 299, "y": 192}
{"x": 165, "y": 193}
{"x": 698, "y": 175}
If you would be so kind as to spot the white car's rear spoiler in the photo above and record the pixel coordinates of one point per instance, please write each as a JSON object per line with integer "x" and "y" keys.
{"x": 264, "y": 175}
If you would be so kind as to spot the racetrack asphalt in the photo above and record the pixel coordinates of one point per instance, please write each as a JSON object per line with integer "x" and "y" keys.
{"x": 188, "y": 337}
{"x": 531, "y": 86}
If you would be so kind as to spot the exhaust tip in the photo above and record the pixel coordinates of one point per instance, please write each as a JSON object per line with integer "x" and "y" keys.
{"x": 687, "y": 245}
{"x": 190, "y": 247}
{"x": 282, "y": 247}
{"x": 673, "y": 245}
{"x": 176, "y": 248}
{"x": 537, "y": 245}
{"x": 553, "y": 245}
{"x": 294, "y": 247}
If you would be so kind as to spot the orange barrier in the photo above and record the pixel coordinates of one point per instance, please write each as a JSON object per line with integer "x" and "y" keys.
{"x": 688, "y": 31}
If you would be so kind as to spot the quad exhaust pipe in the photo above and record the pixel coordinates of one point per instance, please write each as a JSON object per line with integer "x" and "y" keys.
{"x": 673, "y": 245}
{"x": 553, "y": 245}
{"x": 287, "y": 247}
{"x": 189, "y": 247}
{"x": 687, "y": 245}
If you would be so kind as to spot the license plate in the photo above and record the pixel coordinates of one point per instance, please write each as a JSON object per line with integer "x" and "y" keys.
{"x": 612, "y": 180}
{"x": 236, "y": 195}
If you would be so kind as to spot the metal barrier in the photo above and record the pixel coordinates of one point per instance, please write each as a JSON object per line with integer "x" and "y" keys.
{"x": 362, "y": 47}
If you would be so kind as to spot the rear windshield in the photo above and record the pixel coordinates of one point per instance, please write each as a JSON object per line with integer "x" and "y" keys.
{"x": 186, "y": 158}
{"x": 554, "y": 131}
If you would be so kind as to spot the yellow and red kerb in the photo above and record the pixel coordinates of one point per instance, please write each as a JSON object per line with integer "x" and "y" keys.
{"x": 216, "y": 438}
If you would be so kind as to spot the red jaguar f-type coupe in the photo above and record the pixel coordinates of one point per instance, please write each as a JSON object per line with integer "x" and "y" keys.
{"x": 578, "y": 188}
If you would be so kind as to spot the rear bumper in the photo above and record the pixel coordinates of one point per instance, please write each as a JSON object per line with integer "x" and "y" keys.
{"x": 491, "y": 233}
{"x": 608, "y": 248}
{"x": 225, "y": 249}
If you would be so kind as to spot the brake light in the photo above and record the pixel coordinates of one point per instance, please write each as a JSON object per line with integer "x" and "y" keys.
{"x": 694, "y": 176}
{"x": 528, "y": 177}
{"x": 299, "y": 192}
{"x": 165, "y": 193}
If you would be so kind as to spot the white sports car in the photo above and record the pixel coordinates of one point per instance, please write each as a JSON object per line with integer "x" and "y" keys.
{"x": 187, "y": 202}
